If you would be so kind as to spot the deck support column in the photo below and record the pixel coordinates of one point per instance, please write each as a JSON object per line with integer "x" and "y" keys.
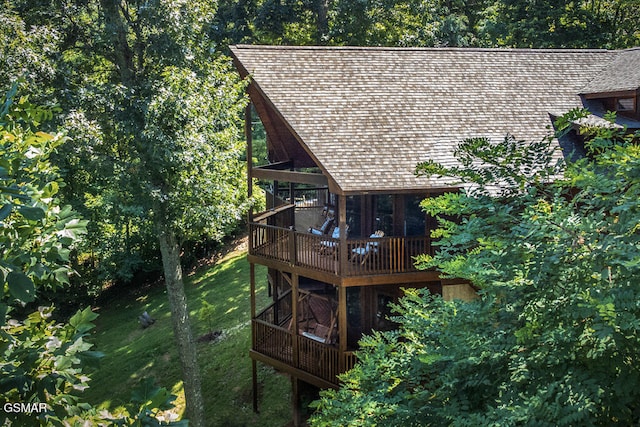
{"x": 342, "y": 326}
{"x": 254, "y": 380}
{"x": 295, "y": 396}
{"x": 252, "y": 284}
{"x": 342, "y": 291}
{"x": 342, "y": 223}
{"x": 254, "y": 371}
{"x": 292, "y": 199}
{"x": 248, "y": 133}
{"x": 295, "y": 282}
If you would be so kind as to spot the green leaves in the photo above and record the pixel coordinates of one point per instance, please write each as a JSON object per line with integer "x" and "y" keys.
{"x": 21, "y": 287}
{"x": 150, "y": 396}
{"x": 32, "y": 213}
{"x": 44, "y": 362}
{"x": 5, "y": 211}
{"x": 35, "y": 233}
{"x": 81, "y": 321}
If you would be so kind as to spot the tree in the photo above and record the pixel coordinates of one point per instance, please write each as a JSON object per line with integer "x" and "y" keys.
{"x": 25, "y": 53}
{"x": 160, "y": 112}
{"x": 196, "y": 182}
{"x": 561, "y": 23}
{"x": 553, "y": 336}
{"x": 42, "y": 363}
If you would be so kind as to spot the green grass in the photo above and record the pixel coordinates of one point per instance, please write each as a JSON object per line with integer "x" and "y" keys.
{"x": 133, "y": 353}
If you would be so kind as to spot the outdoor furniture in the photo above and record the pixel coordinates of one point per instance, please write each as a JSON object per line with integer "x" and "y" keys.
{"x": 323, "y": 229}
{"x": 330, "y": 246}
{"x": 317, "y": 317}
{"x": 362, "y": 253}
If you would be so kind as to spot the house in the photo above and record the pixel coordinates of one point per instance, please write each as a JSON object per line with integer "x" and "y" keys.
{"x": 346, "y": 127}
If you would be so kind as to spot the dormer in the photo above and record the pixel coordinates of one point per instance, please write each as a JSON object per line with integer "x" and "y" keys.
{"x": 617, "y": 86}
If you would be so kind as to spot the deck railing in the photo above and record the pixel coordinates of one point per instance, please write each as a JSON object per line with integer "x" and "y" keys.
{"x": 279, "y": 312}
{"x": 306, "y": 197}
{"x": 321, "y": 360}
{"x": 270, "y": 242}
{"x": 386, "y": 255}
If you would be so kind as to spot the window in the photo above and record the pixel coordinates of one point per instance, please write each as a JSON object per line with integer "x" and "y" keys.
{"x": 626, "y": 104}
{"x": 415, "y": 219}
{"x": 383, "y": 211}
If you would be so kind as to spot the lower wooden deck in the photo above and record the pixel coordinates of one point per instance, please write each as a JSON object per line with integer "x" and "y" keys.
{"x": 305, "y": 358}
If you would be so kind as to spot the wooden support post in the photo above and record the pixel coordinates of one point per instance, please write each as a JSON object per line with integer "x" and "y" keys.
{"x": 295, "y": 396}
{"x": 293, "y": 250}
{"x": 254, "y": 377}
{"x": 276, "y": 184}
{"x": 398, "y": 215}
{"x": 252, "y": 288}
{"x": 342, "y": 325}
{"x": 292, "y": 200}
{"x": 294, "y": 318}
{"x": 249, "y": 137}
{"x": 342, "y": 223}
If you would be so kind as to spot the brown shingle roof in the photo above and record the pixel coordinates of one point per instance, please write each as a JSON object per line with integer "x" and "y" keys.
{"x": 369, "y": 115}
{"x": 620, "y": 75}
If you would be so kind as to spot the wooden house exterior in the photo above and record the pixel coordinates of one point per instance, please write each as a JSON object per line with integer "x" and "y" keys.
{"x": 345, "y": 129}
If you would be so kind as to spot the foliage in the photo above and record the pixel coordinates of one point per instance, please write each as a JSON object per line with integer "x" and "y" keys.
{"x": 552, "y": 340}
{"x": 159, "y": 113}
{"x": 193, "y": 151}
{"x": 484, "y": 23}
{"x": 206, "y": 314}
{"x": 26, "y": 52}
{"x": 561, "y": 23}
{"x": 36, "y": 234}
{"x": 405, "y": 22}
{"x": 45, "y": 362}
{"x": 42, "y": 362}
{"x": 147, "y": 400}
{"x": 102, "y": 65}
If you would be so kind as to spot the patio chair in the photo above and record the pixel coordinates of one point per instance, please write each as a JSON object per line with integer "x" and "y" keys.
{"x": 362, "y": 253}
{"x": 322, "y": 333}
{"x": 323, "y": 229}
{"x": 316, "y": 317}
{"x": 330, "y": 246}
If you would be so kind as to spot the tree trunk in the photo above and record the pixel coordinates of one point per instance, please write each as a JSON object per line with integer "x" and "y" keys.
{"x": 170, "y": 250}
{"x": 322, "y": 21}
{"x": 116, "y": 30}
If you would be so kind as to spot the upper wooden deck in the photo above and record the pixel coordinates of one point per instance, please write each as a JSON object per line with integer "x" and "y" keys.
{"x": 365, "y": 261}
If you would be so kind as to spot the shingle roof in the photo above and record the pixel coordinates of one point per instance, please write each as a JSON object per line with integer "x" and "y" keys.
{"x": 369, "y": 115}
{"x": 621, "y": 74}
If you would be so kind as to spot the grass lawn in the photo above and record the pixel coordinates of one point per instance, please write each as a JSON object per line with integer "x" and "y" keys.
{"x": 133, "y": 353}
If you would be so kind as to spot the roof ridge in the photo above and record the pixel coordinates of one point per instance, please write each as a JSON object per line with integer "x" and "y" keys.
{"x": 406, "y": 48}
